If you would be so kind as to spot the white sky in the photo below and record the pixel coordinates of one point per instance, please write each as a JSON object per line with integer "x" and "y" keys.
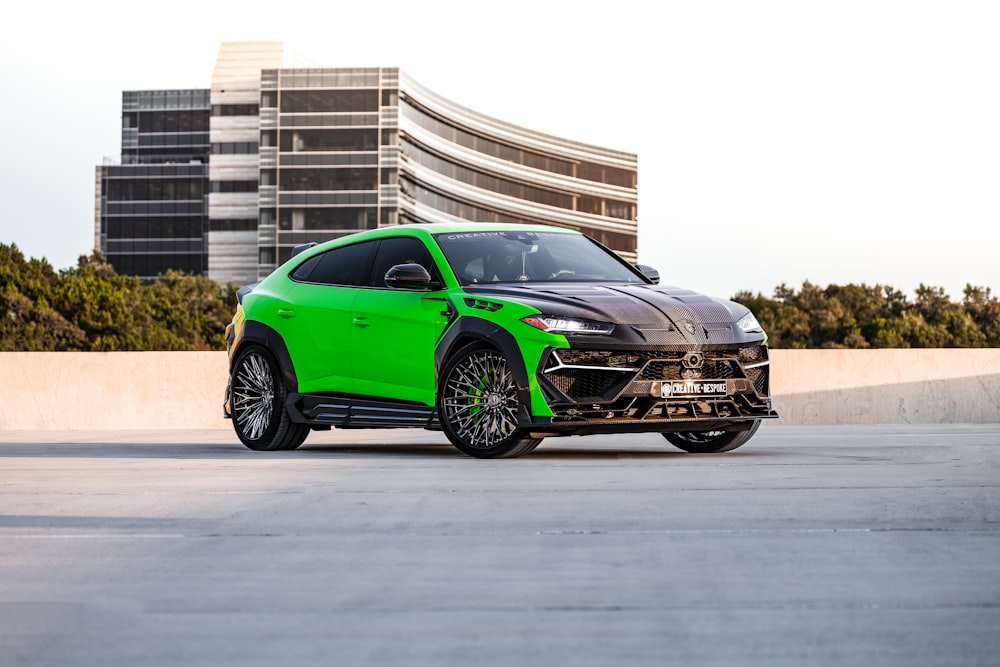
{"x": 778, "y": 142}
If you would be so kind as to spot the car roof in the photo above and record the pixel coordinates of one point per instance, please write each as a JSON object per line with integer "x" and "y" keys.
{"x": 430, "y": 229}
{"x": 465, "y": 227}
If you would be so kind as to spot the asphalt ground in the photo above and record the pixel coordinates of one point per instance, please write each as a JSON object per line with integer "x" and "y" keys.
{"x": 810, "y": 545}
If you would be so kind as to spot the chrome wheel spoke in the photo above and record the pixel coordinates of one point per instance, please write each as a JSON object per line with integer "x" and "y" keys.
{"x": 480, "y": 399}
{"x": 253, "y": 396}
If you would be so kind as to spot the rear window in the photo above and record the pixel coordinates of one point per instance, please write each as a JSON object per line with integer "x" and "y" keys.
{"x": 348, "y": 265}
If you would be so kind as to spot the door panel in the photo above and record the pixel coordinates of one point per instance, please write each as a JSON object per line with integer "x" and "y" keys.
{"x": 316, "y": 319}
{"x": 393, "y": 335}
{"x": 317, "y": 334}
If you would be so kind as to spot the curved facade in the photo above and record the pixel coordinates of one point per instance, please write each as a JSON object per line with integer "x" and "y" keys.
{"x": 342, "y": 150}
{"x": 455, "y": 163}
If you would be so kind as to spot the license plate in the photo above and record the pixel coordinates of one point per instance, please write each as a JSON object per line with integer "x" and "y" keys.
{"x": 692, "y": 388}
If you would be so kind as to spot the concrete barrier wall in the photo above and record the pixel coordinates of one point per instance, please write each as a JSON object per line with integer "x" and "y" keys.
{"x": 112, "y": 390}
{"x": 922, "y": 386}
{"x": 177, "y": 390}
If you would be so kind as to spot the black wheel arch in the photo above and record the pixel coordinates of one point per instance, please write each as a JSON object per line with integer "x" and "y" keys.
{"x": 471, "y": 330}
{"x": 258, "y": 333}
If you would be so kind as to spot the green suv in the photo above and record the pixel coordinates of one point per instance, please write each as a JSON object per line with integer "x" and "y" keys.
{"x": 498, "y": 334}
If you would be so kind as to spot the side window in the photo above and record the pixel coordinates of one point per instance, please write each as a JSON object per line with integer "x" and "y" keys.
{"x": 349, "y": 265}
{"x": 401, "y": 250}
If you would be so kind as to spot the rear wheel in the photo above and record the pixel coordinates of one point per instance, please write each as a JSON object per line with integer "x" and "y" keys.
{"x": 478, "y": 405}
{"x": 258, "y": 403}
{"x": 709, "y": 442}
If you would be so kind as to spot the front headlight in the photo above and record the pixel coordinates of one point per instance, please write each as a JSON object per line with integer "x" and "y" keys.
{"x": 748, "y": 324}
{"x": 568, "y": 325}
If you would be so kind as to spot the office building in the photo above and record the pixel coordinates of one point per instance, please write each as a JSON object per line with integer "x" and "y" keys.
{"x": 303, "y": 154}
{"x": 150, "y": 210}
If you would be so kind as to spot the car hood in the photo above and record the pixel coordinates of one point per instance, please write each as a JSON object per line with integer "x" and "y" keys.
{"x": 648, "y": 309}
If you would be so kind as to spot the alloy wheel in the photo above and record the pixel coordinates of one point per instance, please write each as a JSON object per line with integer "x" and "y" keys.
{"x": 480, "y": 399}
{"x": 253, "y": 396}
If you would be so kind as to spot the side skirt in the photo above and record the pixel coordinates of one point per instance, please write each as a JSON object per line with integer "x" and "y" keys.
{"x": 359, "y": 412}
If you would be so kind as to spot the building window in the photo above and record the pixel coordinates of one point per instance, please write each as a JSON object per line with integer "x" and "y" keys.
{"x": 328, "y": 179}
{"x": 319, "y": 101}
{"x": 234, "y": 186}
{"x": 329, "y": 140}
{"x": 326, "y": 219}
{"x": 235, "y": 110}
{"x": 235, "y": 148}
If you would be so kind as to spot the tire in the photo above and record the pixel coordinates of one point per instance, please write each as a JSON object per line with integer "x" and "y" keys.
{"x": 478, "y": 405}
{"x": 257, "y": 397}
{"x": 710, "y": 442}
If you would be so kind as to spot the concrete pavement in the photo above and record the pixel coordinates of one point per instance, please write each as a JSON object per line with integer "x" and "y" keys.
{"x": 811, "y": 545}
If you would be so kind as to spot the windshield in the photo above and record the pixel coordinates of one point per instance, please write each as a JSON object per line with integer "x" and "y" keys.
{"x": 516, "y": 256}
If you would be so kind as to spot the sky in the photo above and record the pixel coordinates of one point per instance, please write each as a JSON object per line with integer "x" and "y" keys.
{"x": 778, "y": 142}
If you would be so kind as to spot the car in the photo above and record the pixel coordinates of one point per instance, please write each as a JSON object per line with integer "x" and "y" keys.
{"x": 499, "y": 335}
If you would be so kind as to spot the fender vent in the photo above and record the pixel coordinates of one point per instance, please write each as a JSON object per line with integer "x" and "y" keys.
{"x": 483, "y": 304}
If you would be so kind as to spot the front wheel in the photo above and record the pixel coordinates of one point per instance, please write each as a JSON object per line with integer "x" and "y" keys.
{"x": 478, "y": 405}
{"x": 258, "y": 403}
{"x": 710, "y": 442}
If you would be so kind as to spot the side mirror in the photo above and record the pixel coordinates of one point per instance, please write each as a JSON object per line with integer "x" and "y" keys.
{"x": 649, "y": 272}
{"x": 409, "y": 276}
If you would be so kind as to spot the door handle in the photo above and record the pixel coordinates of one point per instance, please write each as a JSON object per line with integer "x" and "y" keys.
{"x": 286, "y": 313}
{"x": 361, "y": 321}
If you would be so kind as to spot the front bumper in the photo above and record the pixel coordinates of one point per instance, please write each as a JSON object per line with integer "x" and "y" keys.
{"x": 720, "y": 387}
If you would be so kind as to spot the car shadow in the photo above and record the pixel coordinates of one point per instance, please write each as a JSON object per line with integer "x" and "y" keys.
{"x": 550, "y": 450}
{"x": 447, "y": 451}
{"x": 409, "y": 443}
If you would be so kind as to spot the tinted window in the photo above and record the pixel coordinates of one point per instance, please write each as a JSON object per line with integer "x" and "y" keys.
{"x": 402, "y": 250}
{"x": 525, "y": 256}
{"x": 349, "y": 265}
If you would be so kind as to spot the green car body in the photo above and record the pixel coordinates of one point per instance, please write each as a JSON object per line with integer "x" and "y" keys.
{"x": 368, "y": 330}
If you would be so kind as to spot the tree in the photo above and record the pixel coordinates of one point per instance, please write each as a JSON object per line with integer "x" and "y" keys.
{"x": 181, "y": 311}
{"x": 949, "y": 324}
{"x": 101, "y": 303}
{"x": 27, "y": 319}
{"x": 91, "y": 307}
{"x": 880, "y": 316}
{"x": 984, "y": 308}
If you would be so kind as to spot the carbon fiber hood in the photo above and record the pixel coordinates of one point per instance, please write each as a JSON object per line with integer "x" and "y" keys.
{"x": 642, "y": 305}
{"x": 644, "y": 314}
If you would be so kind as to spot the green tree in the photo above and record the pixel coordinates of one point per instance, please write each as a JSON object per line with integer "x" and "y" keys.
{"x": 984, "y": 308}
{"x": 101, "y": 303}
{"x": 880, "y": 316}
{"x": 27, "y": 319}
{"x": 181, "y": 311}
{"x": 949, "y": 324}
{"x": 785, "y": 324}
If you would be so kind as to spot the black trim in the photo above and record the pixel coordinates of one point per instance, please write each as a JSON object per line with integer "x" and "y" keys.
{"x": 547, "y": 428}
{"x": 255, "y": 332}
{"x": 467, "y": 330}
{"x": 349, "y": 411}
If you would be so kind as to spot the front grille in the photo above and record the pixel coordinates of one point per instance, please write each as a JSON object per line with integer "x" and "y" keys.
{"x": 585, "y": 383}
{"x": 752, "y": 353}
{"x": 594, "y": 376}
{"x": 715, "y": 369}
{"x": 602, "y": 358}
{"x": 591, "y": 375}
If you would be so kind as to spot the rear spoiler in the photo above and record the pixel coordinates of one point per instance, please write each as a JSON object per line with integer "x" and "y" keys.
{"x": 243, "y": 291}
